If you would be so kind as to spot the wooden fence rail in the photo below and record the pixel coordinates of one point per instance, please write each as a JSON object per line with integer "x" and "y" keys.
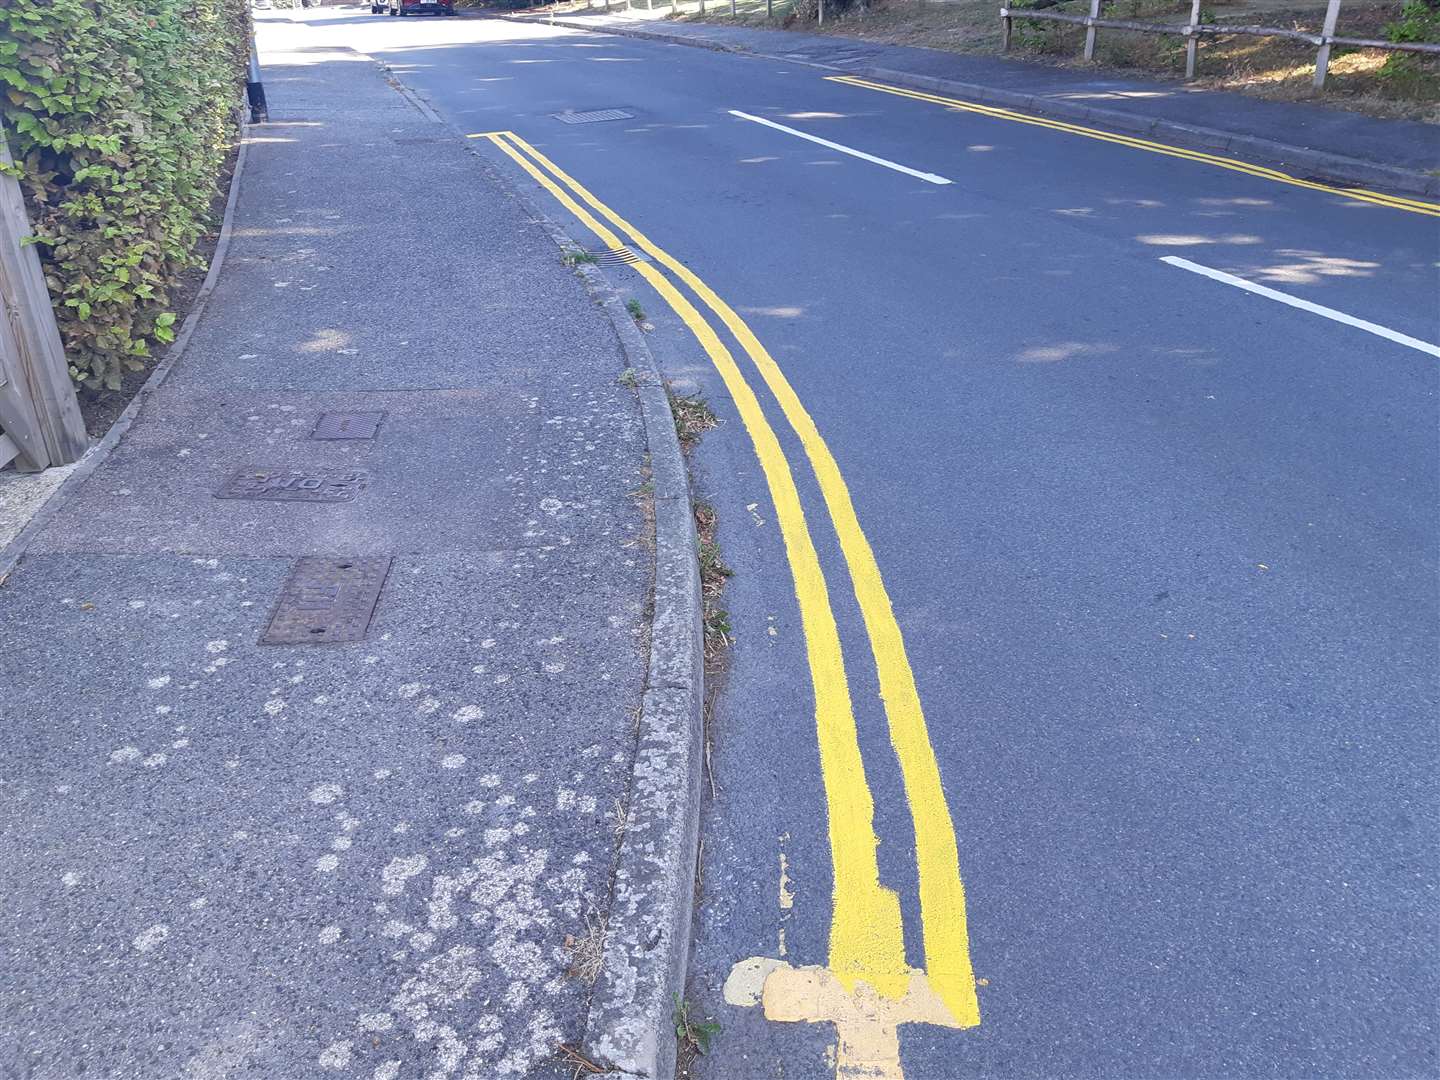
{"x": 40, "y": 422}
{"x": 1194, "y": 30}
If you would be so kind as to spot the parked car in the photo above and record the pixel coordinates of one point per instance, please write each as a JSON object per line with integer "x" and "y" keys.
{"x": 414, "y": 7}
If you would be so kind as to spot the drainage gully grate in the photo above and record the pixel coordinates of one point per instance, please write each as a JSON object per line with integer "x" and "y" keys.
{"x": 614, "y": 256}
{"x": 594, "y": 116}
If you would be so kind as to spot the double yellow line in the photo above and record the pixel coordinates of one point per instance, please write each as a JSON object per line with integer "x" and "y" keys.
{"x": 866, "y": 935}
{"x": 1394, "y": 202}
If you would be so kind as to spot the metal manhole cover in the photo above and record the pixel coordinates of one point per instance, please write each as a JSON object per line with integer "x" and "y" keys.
{"x": 616, "y": 255}
{"x": 594, "y": 116}
{"x": 326, "y": 600}
{"x": 347, "y": 425}
{"x": 295, "y": 485}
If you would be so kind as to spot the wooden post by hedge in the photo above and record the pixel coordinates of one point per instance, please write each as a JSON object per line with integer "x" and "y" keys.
{"x": 38, "y": 409}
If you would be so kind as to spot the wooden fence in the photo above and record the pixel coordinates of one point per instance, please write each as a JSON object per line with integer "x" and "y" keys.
{"x": 40, "y": 422}
{"x": 1194, "y": 30}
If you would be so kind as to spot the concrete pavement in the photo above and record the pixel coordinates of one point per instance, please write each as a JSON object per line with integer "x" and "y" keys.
{"x": 388, "y": 858}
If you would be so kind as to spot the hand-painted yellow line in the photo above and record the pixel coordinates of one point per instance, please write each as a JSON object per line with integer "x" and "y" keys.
{"x": 867, "y": 932}
{"x": 942, "y": 895}
{"x": 1394, "y": 202}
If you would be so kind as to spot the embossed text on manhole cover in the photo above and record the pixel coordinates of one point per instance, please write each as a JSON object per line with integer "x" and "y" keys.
{"x": 347, "y": 425}
{"x": 295, "y": 485}
{"x": 327, "y": 599}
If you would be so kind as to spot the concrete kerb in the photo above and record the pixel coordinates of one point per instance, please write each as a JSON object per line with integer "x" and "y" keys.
{"x": 1320, "y": 164}
{"x": 14, "y": 551}
{"x": 629, "y": 1023}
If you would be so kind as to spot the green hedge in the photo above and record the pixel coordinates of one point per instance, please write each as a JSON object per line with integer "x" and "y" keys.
{"x": 119, "y": 114}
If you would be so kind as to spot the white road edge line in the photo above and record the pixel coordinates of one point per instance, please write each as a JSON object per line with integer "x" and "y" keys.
{"x": 1303, "y": 305}
{"x": 927, "y": 177}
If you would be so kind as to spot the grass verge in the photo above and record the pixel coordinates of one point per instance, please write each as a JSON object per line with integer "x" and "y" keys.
{"x": 1370, "y": 81}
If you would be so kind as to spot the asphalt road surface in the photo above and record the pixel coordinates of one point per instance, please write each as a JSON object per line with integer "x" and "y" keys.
{"x": 1066, "y": 565}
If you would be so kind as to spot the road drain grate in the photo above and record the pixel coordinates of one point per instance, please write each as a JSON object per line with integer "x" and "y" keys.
{"x": 611, "y": 256}
{"x": 295, "y": 485}
{"x": 347, "y": 425}
{"x": 594, "y": 116}
{"x": 327, "y": 600}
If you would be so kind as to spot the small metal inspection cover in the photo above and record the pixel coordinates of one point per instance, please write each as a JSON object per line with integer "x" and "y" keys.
{"x": 326, "y": 600}
{"x": 594, "y": 116}
{"x": 347, "y": 425}
{"x": 295, "y": 485}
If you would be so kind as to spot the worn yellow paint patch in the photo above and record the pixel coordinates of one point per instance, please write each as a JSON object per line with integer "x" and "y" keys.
{"x": 787, "y": 897}
{"x": 866, "y": 1023}
{"x": 745, "y": 984}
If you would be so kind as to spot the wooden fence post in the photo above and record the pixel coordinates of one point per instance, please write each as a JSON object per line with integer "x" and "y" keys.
{"x": 1322, "y": 58}
{"x": 1090, "y": 30}
{"x": 33, "y": 367}
{"x": 1005, "y": 27}
{"x": 1192, "y": 43}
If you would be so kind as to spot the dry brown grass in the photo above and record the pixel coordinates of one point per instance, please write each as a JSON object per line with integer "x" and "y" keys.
{"x": 587, "y": 952}
{"x": 1274, "y": 68}
{"x": 579, "y": 1064}
{"x": 713, "y": 575}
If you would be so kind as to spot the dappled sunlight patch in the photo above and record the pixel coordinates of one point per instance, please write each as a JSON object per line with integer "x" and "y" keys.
{"x": 1064, "y": 350}
{"x": 1310, "y": 268}
{"x": 1242, "y": 201}
{"x": 326, "y": 340}
{"x": 1195, "y": 240}
{"x": 1112, "y": 94}
{"x": 781, "y": 312}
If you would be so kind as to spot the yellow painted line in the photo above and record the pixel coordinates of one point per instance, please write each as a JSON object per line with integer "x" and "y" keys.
{"x": 942, "y": 895}
{"x": 1379, "y": 198}
{"x": 866, "y": 930}
{"x": 1394, "y": 202}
